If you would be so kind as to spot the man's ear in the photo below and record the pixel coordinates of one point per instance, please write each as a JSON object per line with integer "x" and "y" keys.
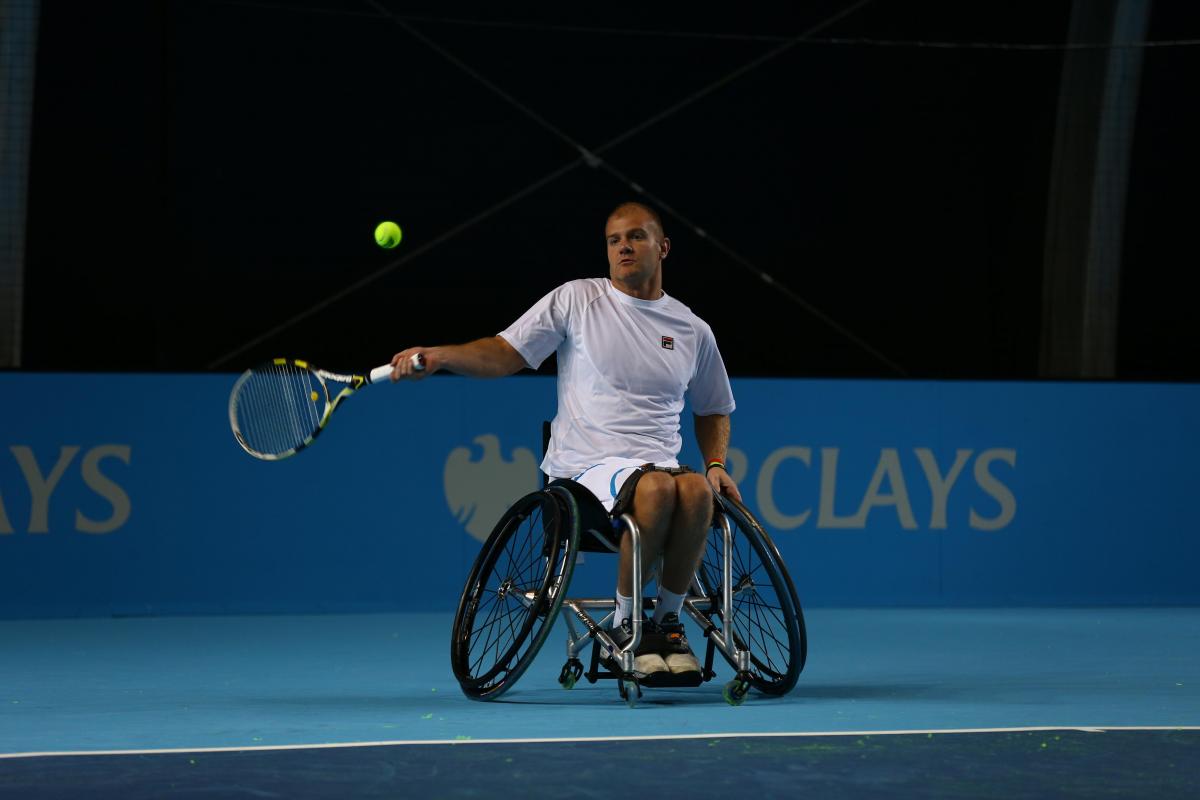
{"x": 666, "y": 247}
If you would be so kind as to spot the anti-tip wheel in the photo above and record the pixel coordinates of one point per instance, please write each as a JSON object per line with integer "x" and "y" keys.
{"x": 571, "y": 672}
{"x": 630, "y": 691}
{"x": 735, "y": 692}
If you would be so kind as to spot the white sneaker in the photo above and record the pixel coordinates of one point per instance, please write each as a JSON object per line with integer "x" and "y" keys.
{"x": 678, "y": 654}
{"x": 646, "y": 661}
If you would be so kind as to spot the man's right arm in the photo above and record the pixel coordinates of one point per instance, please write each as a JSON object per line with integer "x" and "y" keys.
{"x": 490, "y": 357}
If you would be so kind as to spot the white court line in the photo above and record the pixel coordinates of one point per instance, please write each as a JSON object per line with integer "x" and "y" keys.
{"x": 571, "y": 739}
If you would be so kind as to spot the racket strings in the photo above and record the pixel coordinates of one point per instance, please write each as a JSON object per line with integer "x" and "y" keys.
{"x": 279, "y": 408}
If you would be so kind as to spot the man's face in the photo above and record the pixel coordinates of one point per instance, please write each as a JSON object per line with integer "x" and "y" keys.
{"x": 636, "y": 246}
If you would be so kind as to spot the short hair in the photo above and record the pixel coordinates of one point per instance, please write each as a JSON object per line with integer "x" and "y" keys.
{"x": 635, "y": 204}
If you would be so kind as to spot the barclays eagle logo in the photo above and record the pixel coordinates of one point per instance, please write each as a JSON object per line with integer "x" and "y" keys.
{"x": 479, "y": 492}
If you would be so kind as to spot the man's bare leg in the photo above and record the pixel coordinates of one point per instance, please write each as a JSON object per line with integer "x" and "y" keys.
{"x": 687, "y": 537}
{"x": 653, "y": 509}
{"x": 687, "y": 534}
{"x": 673, "y": 514}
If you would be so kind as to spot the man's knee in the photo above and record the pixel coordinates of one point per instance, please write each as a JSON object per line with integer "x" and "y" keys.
{"x": 693, "y": 495}
{"x": 655, "y": 492}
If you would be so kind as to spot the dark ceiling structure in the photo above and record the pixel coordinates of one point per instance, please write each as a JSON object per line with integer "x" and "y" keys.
{"x": 852, "y": 189}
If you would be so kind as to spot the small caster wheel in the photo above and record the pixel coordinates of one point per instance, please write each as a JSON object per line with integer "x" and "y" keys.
{"x": 735, "y": 692}
{"x": 571, "y": 672}
{"x": 629, "y": 689}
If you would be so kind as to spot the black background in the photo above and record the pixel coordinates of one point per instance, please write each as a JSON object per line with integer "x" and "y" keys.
{"x": 206, "y": 172}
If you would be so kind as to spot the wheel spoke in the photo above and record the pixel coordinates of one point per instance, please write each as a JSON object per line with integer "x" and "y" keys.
{"x": 492, "y": 626}
{"x": 518, "y": 582}
{"x": 764, "y": 619}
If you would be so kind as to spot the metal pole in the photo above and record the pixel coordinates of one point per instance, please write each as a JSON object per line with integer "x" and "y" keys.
{"x": 18, "y": 54}
{"x": 1088, "y": 182}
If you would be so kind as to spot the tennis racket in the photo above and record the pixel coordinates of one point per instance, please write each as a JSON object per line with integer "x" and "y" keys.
{"x": 278, "y": 408}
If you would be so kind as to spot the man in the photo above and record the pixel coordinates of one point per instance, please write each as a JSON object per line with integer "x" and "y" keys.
{"x": 627, "y": 354}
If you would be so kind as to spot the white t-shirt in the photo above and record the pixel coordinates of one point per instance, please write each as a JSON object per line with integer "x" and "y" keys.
{"x": 624, "y": 366}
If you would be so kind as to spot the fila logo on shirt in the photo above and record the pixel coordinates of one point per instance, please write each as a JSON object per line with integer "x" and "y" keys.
{"x": 668, "y": 343}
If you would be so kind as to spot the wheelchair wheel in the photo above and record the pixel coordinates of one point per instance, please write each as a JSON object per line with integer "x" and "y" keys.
{"x": 767, "y": 618}
{"x": 514, "y": 592}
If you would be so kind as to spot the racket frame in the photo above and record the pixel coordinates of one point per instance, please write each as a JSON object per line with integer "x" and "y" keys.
{"x": 352, "y": 383}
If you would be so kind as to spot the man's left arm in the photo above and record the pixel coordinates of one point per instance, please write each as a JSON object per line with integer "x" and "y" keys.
{"x": 712, "y": 434}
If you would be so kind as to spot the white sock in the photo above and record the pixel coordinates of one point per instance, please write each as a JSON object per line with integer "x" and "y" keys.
{"x": 624, "y": 609}
{"x": 668, "y": 603}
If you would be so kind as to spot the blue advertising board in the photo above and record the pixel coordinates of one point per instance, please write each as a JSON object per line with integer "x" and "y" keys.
{"x": 127, "y": 495}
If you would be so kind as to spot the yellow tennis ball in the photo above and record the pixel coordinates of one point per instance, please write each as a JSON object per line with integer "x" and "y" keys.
{"x": 388, "y": 235}
{"x": 315, "y": 396}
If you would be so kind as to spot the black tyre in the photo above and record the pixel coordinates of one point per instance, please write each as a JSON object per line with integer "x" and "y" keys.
{"x": 514, "y": 592}
{"x": 767, "y": 617}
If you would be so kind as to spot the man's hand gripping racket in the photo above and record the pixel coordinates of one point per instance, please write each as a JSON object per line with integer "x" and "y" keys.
{"x": 277, "y": 409}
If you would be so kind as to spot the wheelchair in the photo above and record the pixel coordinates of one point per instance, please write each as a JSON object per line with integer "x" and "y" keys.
{"x": 741, "y": 597}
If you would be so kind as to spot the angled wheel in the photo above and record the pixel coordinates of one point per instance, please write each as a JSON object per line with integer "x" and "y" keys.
{"x": 735, "y": 692}
{"x": 514, "y": 592}
{"x": 630, "y": 691}
{"x": 767, "y": 618}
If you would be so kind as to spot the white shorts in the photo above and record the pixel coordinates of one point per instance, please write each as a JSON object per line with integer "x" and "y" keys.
{"x": 605, "y": 478}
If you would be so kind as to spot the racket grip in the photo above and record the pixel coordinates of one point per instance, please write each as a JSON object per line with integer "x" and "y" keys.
{"x": 384, "y": 373}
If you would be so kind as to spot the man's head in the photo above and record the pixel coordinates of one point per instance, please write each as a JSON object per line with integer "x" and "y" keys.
{"x": 636, "y": 247}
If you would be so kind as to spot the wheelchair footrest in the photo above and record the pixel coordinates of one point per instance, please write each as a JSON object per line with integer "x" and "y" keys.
{"x": 672, "y": 680}
{"x": 608, "y": 668}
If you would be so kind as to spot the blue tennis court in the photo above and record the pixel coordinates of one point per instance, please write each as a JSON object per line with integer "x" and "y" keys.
{"x": 1066, "y": 702}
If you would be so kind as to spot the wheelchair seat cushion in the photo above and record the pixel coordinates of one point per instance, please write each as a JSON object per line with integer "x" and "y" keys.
{"x": 595, "y": 523}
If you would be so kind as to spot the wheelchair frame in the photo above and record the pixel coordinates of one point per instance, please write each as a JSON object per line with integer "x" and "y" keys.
{"x": 624, "y": 656}
{"x": 546, "y": 511}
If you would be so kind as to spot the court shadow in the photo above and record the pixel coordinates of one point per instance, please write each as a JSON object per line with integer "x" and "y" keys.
{"x": 607, "y": 696}
{"x": 860, "y": 691}
{"x": 371, "y": 703}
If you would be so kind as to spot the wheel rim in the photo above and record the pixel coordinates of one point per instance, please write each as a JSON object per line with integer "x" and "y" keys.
{"x": 765, "y": 620}
{"x": 507, "y": 593}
